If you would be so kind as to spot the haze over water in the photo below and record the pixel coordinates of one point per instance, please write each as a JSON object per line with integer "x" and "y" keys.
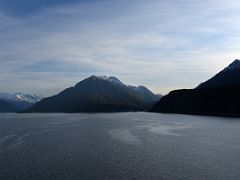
{"x": 118, "y": 146}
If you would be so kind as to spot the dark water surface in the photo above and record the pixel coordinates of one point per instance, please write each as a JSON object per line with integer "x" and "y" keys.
{"x": 119, "y": 146}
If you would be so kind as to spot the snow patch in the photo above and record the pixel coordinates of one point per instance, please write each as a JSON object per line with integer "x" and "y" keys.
{"x": 21, "y": 97}
{"x": 110, "y": 79}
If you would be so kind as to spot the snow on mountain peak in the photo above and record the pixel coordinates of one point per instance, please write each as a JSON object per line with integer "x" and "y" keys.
{"x": 21, "y": 97}
{"x": 111, "y": 79}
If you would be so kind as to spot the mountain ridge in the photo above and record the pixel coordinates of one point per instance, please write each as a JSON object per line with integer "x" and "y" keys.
{"x": 14, "y": 102}
{"x": 217, "y": 96}
{"x": 227, "y": 77}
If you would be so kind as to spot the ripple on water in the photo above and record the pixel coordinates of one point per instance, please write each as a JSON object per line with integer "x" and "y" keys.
{"x": 125, "y": 135}
{"x": 12, "y": 141}
{"x": 6, "y": 138}
{"x": 165, "y": 129}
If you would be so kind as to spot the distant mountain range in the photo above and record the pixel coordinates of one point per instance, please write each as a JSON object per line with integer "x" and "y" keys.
{"x": 98, "y": 94}
{"x": 17, "y": 101}
{"x": 219, "y": 95}
{"x": 7, "y": 107}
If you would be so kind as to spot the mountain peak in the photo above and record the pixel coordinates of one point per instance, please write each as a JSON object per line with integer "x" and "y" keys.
{"x": 111, "y": 79}
{"x": 234, "y": 65}
{"x": 227, "y": 77}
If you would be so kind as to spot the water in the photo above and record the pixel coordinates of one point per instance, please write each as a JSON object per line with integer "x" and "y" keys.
{"x": 119, "y": 146}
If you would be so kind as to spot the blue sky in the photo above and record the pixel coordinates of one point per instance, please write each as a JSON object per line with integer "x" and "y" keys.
{"x": 48, "y": 45}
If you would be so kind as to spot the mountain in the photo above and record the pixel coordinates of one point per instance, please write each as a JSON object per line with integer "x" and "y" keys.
{"x": 17, "y": 101}
{"x": 6, "y": 107}
{"x": 216, "y": 96}
{"x": 221, "y": 101}
{"x": 21, "y": 97}
{"x": 98, "y": 94}
{"x": 227, "y": 77}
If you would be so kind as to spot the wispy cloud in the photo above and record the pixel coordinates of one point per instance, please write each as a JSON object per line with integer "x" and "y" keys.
{"x": 162, "y": 44}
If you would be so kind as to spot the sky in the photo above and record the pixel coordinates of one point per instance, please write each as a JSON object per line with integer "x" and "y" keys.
{"x": 49, "y": 45}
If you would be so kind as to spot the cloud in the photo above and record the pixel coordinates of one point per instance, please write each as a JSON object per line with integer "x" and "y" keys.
{"x": 26, "y": 8}
{"x": 161, "y": 44}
